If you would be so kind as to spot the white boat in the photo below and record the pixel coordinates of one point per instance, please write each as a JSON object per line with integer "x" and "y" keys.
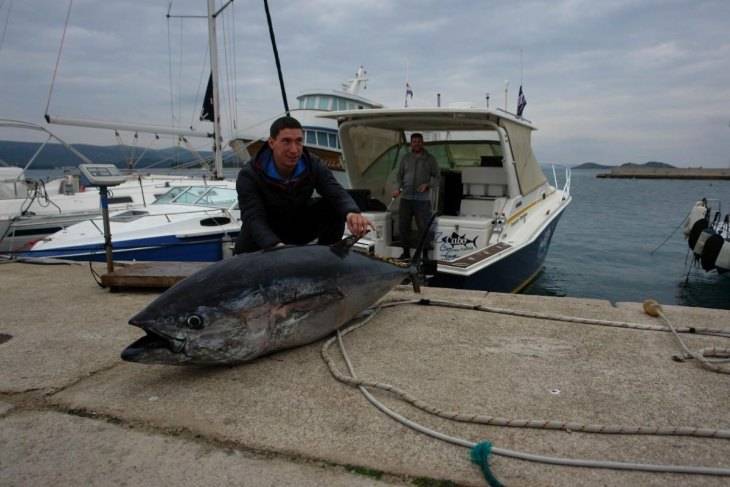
{"x": 708, "y": 235}
{"x": 191, "y": 222}
{"x": 497, "y": 211}
{"x": 320, "y": 134}
{"x": 32, "y": 209}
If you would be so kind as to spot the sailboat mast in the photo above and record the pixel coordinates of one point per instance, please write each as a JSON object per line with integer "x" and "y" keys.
{"x": 213, "y": 46}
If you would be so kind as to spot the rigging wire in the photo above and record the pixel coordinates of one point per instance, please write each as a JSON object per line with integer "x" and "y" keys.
{"x": 58, "y": 58}
{"x": 7, "y": 19}
{"x": 225, "y": 93}
{"x": 235, "y": 70}
{"x": 169, "y": 66}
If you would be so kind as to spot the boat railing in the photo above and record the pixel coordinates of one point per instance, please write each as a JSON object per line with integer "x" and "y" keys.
{"x": 566, "y": 182}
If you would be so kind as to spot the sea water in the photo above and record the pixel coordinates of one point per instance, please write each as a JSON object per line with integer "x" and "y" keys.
{"x": 602, "y": 247}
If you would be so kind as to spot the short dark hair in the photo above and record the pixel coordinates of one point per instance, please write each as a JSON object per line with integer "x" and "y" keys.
{"x": 416, "y": 135}
{"x": 281, "y": 123}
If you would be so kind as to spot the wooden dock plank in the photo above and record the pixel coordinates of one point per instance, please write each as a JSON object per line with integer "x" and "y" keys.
{"x": 158, "y": 275}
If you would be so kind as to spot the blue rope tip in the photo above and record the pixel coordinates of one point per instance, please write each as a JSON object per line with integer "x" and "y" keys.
{"x": 480, "y": 455}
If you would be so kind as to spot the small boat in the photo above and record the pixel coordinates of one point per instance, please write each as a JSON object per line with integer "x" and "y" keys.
{"x": 189, "y": 223}
{"x": 708, "y": 235}
{"x": 497, "y": 211}
{"x": 32, "y": 209}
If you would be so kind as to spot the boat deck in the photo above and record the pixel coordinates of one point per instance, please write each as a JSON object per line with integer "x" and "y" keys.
{"x": 73, "y": 413}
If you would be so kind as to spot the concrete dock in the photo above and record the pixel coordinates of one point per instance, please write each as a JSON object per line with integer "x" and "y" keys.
{"x": 72, "y": 413}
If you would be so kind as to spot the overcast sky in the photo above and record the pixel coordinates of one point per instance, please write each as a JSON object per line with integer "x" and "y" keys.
{"x": 609, "y": 81}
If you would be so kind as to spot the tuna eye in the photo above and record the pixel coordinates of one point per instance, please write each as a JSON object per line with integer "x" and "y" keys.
{"x": 195, "y": 322}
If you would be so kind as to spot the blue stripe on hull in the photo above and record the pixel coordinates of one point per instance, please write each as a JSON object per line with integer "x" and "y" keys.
{"x": 167, "y": 248}
{"x": 510, "y": 274}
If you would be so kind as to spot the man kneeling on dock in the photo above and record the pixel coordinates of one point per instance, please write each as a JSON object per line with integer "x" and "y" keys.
{"x": 275, "y": 196}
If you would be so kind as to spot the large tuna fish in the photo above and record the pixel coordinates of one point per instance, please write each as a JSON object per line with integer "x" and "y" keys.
{"x": 253, "y": 304}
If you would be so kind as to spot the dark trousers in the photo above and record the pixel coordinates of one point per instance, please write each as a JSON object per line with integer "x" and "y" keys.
{"x": 421, "y": 210}
{"x": 318, "y": 220}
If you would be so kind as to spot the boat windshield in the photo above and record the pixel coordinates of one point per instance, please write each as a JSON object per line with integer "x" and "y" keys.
{"x": 450, "y": 154}
{"x": 210, "y": 196}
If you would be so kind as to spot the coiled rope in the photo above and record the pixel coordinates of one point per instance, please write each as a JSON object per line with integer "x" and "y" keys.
{"x": 363, "y": 384}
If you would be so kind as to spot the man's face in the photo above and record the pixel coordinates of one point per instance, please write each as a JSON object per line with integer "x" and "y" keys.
{"x": 287, "y": 149}
{"x": 416, "y": 144}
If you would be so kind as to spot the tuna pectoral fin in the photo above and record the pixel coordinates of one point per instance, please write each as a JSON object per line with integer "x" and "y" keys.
{"x": 303, "y": 304}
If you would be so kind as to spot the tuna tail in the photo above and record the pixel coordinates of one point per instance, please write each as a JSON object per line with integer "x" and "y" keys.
{"x": 418, "y": 265}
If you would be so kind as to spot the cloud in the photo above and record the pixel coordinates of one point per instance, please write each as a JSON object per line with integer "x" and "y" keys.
{"x": 614, "y": 79}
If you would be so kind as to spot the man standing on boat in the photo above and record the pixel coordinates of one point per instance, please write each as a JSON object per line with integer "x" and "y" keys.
{"x": 275, "y": 196}
{"x": 417, "y": 174}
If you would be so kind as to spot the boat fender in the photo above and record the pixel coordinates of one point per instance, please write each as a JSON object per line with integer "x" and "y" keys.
{"x": 697, "y": 228}
{"x": 700, "y": 245}
{"x": 698, "y": 212}
{"x": 723, "y": 258}
{"x": 710, "y": 251}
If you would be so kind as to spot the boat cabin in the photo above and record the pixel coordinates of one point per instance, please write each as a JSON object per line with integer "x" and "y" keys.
{"x": 489, "y": 175}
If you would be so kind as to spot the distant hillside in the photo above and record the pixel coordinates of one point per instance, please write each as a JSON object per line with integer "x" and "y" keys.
{"x": 591, "y": 165}
{"x": 648, "y": 164}
{"x": 57, "y": 156}
{"x": 595, "y": 165}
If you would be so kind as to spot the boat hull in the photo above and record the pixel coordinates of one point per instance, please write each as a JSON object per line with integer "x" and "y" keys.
{"x": 208, "y": 248}
{"x": 510, "y": 274}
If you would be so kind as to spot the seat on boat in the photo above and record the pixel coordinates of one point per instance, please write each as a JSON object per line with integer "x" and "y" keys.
{"x": 482, "y": 187}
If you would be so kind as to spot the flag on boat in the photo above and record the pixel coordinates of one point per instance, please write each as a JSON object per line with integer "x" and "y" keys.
{"x": 409, "y": 91}
{"x": 207, "y": 111}
{"x": 521, "y": 102}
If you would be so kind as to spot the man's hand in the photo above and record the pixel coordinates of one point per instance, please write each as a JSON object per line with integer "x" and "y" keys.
{"x": 396, "y": 193}
{"x": 358, "y": 224}
{"x": 423, "y": 188}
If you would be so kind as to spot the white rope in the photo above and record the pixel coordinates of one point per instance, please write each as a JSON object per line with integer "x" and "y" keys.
{"x": 58, "y": 58}
{"x": 363, "y": 384}
{"x": 654, "y": 309}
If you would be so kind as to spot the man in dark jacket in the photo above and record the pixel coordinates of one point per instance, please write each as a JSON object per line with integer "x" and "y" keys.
{"x": 275, "y": 196}
{"x": 418, "y": 173}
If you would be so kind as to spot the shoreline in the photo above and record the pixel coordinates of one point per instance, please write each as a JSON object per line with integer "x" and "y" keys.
{"x": 666, "y": 173}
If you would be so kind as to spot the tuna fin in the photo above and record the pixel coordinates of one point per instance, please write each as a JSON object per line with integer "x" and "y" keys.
{"x": 342, "y": 247}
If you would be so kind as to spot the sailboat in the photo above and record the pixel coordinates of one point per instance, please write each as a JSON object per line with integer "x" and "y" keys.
{"x": 193, "y": 221}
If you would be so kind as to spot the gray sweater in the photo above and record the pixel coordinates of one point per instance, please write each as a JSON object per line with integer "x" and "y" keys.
{"x": 415, "y": 170}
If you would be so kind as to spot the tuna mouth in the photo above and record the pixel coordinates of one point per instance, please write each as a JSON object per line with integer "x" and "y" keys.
{"x": 151, "y": 345}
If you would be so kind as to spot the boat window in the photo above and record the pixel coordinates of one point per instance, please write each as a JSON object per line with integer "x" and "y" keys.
{"x": 301, "y": 103}
{"x": 191, "y": 195}
{"x": 324, "y": 103}
{"x": 332, "y": 140}
{"x": 170, "y": 195}
{"x": 465, "y": 154}
{"x": 310, "y": 102}
{"x": 218, "y": 198}
{"x": 341, "y": 104}
{"x": 129, "y": 216}
{"x": 113, "y": 200}
{"x": 322, "y": 138}
{"x": 311, "y": 137}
